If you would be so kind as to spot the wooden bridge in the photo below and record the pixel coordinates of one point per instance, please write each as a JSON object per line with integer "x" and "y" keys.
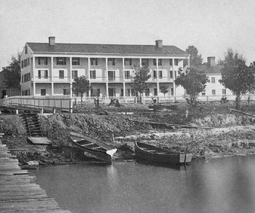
{"x": 18, "y": 191}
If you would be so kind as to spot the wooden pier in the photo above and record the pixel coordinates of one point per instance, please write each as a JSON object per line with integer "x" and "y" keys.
{"x": 18, "y": 190}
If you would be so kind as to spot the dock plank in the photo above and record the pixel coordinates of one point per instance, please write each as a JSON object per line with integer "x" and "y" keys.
{"x": 18, "y": 191}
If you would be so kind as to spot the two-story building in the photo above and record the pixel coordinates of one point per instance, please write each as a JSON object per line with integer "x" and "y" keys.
{"x": 214, "y": 87}
{"x": 50, "y": 68}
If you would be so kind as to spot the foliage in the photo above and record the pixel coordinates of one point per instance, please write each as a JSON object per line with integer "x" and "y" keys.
{"x": 195, "y": 59}
{"x": 236, "y": 76}
{"x": 80, "y": 86}
{"x": 141, "y": 77}
{"x": 164, "y": 89}
{"x": 12, "y": 73}
{"x": 193, "y": 82}
{"x": 11, "y": 125}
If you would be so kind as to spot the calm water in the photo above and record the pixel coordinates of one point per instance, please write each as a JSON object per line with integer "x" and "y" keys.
{"x": 211, "y": 186}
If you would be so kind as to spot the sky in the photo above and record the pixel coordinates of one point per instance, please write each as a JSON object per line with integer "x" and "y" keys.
{"x": 212, "y": 26}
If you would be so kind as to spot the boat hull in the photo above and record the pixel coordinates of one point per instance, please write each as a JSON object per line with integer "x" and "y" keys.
{"x": 93, "y": 150}
{"x": 157, "y": 155}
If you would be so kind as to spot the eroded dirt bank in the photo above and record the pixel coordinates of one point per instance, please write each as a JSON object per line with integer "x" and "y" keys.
{"x": 212, "y": 136}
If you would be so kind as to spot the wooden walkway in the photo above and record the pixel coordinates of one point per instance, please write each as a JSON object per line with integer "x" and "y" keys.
{"x": 18, "y": 192}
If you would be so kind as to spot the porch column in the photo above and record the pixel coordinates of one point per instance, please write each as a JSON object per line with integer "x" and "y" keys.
{"x": 71, "y": 77}
{"x": 51, "y": 75}
{"x": 33, "y": 76}
{"x": 189, "y": 61}
{"x": 106, "y": 76}
{"x": 124, "y": 84}
{"x": 157, "y": 77}
{"x": 89, "y": 75}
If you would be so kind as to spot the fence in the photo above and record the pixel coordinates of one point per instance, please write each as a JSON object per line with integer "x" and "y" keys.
{"x": 67, "y": 103}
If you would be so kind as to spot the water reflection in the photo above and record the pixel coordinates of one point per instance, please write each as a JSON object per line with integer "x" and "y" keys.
{"x": 216, "y": 185}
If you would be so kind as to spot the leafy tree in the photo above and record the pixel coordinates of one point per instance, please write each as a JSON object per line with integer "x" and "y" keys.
{"x": 139, "y": 81}
{"x": 193, "y": 82}
{"x": 236, "y": 76}
{"x": 81, "y": 85}
{"x": 164, "y": 89}
{"x": 195, "y": 59}
{"x": 12, "y": 73}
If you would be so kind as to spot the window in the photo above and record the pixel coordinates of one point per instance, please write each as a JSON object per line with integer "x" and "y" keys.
{"x": 213, "y": 92}
{"x": 159, "y": 62}
{"x": 203, "y": 93}
{"x": 154, "y": 74}
{"x": 145, "y": 62}
{"x": 121, "y": 93}
{"x": 147, "y": 92}
{"x": 128, "y": 92}
{"x": 213, "y": 80}
{"x": 61, "y": 74}
{"x": 133, "y": 92}
{"x": 26, "y": 77}
{"x": 171, "y": 62}
{"x": 43, "y": 92}
{"x": 66, "y": 92}
{"x": 224, "y": 91}
{"x": 176, "y": 62}
{"x": 61, "y": 61}
{"x": 111, "y": 61}
{"x": 74, "y": 74}
{"x": 172, "y": 91}
{"x": 26, "y": 50}
{"x": 43, "y": 60}
{"x": 42, "y": 74}
{"x": 93, "y": 61}
{"x": 128, "y": 61}
{"x": 160, "y": 74}
{"x": 155, "y": 92}
{"x": 111, "y": 75}
{"x": 127, "y": 74}
{"x": 171, "y": 74}
{"x": 75, "y": 61}
{"x": 92, "y": 74}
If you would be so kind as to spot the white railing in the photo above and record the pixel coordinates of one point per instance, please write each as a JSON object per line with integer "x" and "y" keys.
{"x": 40, "y": 102}
{"x": 67, "y": 104}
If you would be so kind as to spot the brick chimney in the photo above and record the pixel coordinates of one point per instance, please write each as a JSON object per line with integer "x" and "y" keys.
{"x": 159, "y": 43}
{"x": 51, "y": 40}
{"x": 211, "y": 61}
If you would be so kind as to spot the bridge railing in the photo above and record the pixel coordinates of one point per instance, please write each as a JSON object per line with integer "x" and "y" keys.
{"x": 40, "y": 102}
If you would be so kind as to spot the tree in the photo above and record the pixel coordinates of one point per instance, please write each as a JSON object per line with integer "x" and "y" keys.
{"x": 193, "y": 82}
{"x": 139, "y": 81}
{"x": 81, "y": 85}
{"x": 12, "y": 73}
{"x": 236, "y": 76}
{"x": 164, "y": 89}
{"x": 195, "y": 59}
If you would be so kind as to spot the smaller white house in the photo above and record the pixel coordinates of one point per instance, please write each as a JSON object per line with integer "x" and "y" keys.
{"x": 214, "y": 88}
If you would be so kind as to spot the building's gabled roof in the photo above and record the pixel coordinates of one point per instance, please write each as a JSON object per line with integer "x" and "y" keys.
{"x": 106, "y": 49}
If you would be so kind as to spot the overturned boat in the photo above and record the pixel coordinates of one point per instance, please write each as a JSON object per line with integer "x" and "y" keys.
{"x": 93, "y": 148}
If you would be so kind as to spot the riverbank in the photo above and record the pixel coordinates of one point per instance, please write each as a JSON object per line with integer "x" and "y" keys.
{"x": 211, "y": 131}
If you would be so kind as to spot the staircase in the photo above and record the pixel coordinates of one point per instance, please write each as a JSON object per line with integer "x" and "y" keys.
{"x": 32, "y": 124}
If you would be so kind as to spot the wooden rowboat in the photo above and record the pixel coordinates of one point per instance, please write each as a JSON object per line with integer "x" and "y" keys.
{"x": 158, "y": 155}
{"x": 94, "y": 148}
